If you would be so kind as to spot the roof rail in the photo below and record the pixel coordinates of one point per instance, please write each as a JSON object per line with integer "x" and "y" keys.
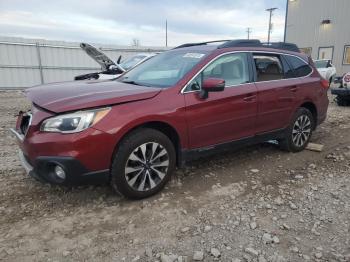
{"x": 201, "y": 43}
{"x": 257, "y": 43}
{"x": 241, "y": 43}
{"x": 247, "y": 43}
{"x": 284, "y": 46}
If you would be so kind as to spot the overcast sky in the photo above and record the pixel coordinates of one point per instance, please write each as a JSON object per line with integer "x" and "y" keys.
{"x": 119, "y": 21}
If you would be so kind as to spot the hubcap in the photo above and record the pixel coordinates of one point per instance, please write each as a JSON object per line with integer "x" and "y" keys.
{"x": 146, "y": 166}
{"x": 301, "y": 130}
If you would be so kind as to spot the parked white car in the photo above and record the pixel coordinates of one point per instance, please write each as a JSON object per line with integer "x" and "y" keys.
{"x": 110, "y": 68}
{"x": 326, "y": 69}
{"x": 342, "y": 92}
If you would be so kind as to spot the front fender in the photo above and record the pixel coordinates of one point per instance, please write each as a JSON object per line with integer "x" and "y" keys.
{"x": 126, "y": 117}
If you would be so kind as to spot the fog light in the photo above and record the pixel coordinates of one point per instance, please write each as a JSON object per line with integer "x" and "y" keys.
{"x": 60, "y": 172}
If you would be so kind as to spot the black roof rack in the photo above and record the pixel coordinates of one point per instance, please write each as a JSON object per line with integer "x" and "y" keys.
{"x": 201, "y": 43}
{"x": 241, "y": 43}
{"x": 284, "y": 46}
{"x": 247, "y": 43}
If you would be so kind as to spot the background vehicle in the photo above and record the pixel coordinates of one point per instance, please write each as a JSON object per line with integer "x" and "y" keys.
{"x": 343, "y": 90}
{"x": 326, "y": 69}
{"x": 111, "y": 69}
{"x": 180, "y": 105}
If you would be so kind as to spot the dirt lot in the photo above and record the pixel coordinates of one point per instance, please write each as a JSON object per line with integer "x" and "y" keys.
{"x": 256, "y": 204}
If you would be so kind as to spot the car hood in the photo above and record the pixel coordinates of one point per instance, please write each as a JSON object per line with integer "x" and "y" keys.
{"x": 101, "y": 58}
{"x": 76, "y": 95}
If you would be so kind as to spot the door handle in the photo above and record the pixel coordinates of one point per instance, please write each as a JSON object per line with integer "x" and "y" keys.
{"x": 294, "y": 88}
{"x": 249, "y": 98}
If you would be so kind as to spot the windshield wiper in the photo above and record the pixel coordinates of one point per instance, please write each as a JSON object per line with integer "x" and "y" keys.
{"x": 131, "y": 82}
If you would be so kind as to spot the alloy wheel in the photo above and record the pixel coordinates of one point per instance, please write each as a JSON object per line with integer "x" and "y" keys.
{"x": 301, "y": 130}
{"x": 146, "y": 167}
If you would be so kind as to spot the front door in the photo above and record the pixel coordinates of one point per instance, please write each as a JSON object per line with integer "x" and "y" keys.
{"x": 223, "y": 116}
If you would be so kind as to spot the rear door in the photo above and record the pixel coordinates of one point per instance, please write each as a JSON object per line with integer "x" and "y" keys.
{"x": 277, "y": 91}
{"x": 223, "y": 116}
{"x": 310, "y": 89}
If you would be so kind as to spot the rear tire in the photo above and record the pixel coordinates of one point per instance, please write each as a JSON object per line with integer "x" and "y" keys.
{"x": 143, "y": 163}
{"x": 299, "y": 132}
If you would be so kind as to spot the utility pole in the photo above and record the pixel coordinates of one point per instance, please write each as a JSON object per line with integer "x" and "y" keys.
{"x": 249, "y": 30}
{"x": 285, "y": 22}
{"x": 270, "y": 25}
{"x": 166, "y": 33}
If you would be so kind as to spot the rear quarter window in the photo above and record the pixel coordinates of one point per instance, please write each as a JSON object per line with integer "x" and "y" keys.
{"x": 300, "y": 67}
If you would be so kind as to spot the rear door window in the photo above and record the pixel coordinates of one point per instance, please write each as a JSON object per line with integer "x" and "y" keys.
{"x": 288, "y": 70}
{"x": 269, "y": 67}
{"x": 300, "y": 67}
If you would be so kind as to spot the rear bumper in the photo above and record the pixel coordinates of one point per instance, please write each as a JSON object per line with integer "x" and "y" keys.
{"x": 340, "y": 91}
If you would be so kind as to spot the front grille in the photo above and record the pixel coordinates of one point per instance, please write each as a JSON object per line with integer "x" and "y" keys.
{"x": 26, "y": 120}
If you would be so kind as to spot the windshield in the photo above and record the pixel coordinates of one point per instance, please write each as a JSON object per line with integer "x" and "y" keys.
{"x": 163, "y": 70}
{"x": 132, "y": 61}
{"x": 321, "y": 63}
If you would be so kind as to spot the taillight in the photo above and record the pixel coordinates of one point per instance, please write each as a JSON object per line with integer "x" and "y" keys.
{"x": 325, "y": 83}
{"x": 347, "y": 78}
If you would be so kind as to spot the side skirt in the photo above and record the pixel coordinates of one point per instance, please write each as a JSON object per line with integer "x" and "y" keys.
{"x": 193, "y": 154}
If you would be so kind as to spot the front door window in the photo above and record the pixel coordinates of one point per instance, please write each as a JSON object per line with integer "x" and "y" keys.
{"x": 233, "y": 68}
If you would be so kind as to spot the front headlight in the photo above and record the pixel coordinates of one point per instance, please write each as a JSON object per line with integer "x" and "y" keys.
{"x": 73, "y": 122}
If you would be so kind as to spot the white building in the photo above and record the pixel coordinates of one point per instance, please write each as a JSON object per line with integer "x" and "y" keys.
{"x": 321, "y": 28}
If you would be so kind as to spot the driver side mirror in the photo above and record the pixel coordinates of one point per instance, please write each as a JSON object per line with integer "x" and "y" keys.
{"x": 211, "y": 85}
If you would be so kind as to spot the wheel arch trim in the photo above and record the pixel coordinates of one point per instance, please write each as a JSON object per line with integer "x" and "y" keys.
{"x": 173, "y": 133}
{"x": 311, "y": 106}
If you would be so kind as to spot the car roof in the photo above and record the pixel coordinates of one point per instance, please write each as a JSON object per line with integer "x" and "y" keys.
{"x": 214, "y": 50}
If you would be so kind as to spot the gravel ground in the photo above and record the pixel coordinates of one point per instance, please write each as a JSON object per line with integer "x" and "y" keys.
{"x": 255, "y": 204}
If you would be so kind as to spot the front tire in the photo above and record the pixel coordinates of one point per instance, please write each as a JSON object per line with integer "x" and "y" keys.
{"x": 143, "y": 163}
{"x": 299, "y": 132}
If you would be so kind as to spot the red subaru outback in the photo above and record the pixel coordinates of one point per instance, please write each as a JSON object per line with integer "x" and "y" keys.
{"x": 133, "y": 131}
